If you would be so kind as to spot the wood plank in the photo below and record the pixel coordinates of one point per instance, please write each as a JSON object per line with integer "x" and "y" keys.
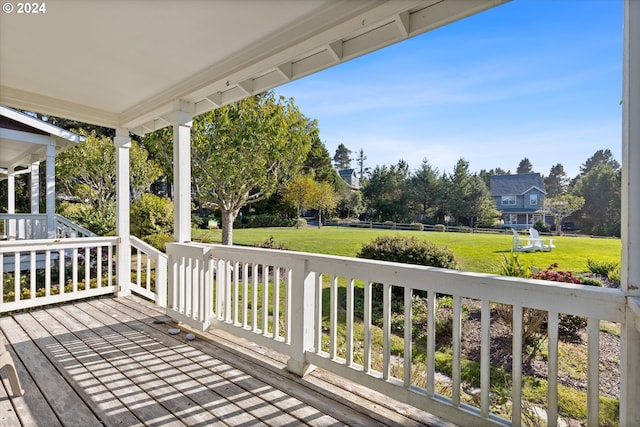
{"x": 86, "y": 372}
{"x": 8, "y": 416}
{"x": 67, "y": 405}
{"x": 206, "y": 373}
{"x": 129, "y": 355}
{"x": 239, "y": 382}
{"x": 288, "y": 383}
{"x": 32, "y": 407}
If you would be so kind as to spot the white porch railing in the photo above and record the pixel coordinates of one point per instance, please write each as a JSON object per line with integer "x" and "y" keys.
{"x": 40, "y": 272}
{"x": 275, "y": 298}
{"x": 34, "y": 226}
{"x": 148, "y": 272}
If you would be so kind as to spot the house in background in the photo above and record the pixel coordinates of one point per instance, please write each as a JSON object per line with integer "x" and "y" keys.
{"x": 518, "y": 198}
{"x": 350, "y": 177}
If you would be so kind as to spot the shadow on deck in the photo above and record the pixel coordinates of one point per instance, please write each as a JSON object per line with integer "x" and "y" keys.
{"x": 111, "y": 361}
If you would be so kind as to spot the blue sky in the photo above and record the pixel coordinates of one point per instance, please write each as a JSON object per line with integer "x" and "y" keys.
{"x": 540, "y": 79}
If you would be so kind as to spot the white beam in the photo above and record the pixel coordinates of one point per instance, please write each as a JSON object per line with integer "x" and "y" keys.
{"x": 123, "y": 144}
{"x": 181, "y": 119}
{"x": 630, "y": 221}
{"x": 51, "y": 189}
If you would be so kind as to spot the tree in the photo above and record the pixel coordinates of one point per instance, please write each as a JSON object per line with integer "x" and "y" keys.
{"x": 87, "y": 172}
{"x": 351, "y": 203}
{"x": 243, "y": 152}
{"x": 524, "y": 166}
{"x": 318, "y": 161}
{"x": 342, "y": 158}
{"x": 424, "y": 189}
{"x": 557, "y": 182}
{"x": 299, "y": 193}
{"x": 600, "y": 157}
{"x": 323, "y": 198}
{"x": 600, "y": 188}
{"x": 386, "y": 192}
{"x": 482, "y": 207}
{"x": 459, "y": 194}
{"x": 561, "y": 207}
{"x": 362, "y": 169}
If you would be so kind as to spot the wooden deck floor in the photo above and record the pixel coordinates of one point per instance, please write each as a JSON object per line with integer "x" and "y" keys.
{"x": 110, "y": 361}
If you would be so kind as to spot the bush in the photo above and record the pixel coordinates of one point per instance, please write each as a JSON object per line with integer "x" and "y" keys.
{"x": 151, "y": 214}
{"x": 417, "y": 226}
{"x": 301, "y": 223}
{"x": 408, "y": 250}
{"x": 440, "y": 227}
{"x": 389, "y": 224}
{"x": 541, "y": 226}
{"x": 158, "y": 240}
{"x": 270, "y": 243}
{"x": 259, "y": 221}
{"x": 602, "y": 268}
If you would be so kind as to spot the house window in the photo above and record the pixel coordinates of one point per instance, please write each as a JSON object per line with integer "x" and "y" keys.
{"x": 533, "y": 199}
{"x": 512, "y": 219}
{"x": 509, "y": 200}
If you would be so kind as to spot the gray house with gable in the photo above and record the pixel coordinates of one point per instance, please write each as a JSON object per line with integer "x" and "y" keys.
{"x": 519, "y": 198}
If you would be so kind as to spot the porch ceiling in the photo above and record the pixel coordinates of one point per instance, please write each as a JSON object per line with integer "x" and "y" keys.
{"x": 125, "y": 63}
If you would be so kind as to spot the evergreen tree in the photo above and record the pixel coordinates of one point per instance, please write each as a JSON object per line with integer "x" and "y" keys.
{"x": 362, "y": 169}
{"x": 557, "y": 182}
{"x": 424, "y": 188}
{"x": 524, "y": 166}
{"x": 342, "y": 158}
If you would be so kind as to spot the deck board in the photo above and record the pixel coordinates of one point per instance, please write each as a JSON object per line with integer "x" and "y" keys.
{"x": 110, "y": 361}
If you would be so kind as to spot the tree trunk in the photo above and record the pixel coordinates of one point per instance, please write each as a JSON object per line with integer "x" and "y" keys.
{"x": 228, "y": 216}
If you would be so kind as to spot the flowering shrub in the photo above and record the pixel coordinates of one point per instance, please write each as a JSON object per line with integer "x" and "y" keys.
{"x": 554, "y": 275}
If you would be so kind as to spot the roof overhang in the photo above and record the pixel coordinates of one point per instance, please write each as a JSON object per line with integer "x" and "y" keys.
{"x": 129, "y": 64}
{"x": 24, "y": 139}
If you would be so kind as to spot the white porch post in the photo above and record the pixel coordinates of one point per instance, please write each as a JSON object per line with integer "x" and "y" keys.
{"x": 123, "y": 144}
{"x": 51, "y": 189}
{"x": 181, "y": 119}
{"x": 630, "y": 269}
{"x": 35, "y": 185}
{"x": 11, "y": 202}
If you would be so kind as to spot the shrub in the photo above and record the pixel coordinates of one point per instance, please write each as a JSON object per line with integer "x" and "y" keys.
{"x": 602, "y": 268}
{"x": 409, "y": 250}
{"x": 416, "y": 226}
{"x": 389, "y": 224}
{"x": 151, "y": 214}
{"x": 258, "y": 221}
{"x": 158, "y": 240}
{"x": 541, "y": 226}
{"x": 440, "y": 227}
{"x": 301, "y": 223}
{"x": 614, "y": 276}
{"x": 270, "y": 243}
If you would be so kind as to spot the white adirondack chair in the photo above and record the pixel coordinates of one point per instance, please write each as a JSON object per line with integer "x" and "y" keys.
{"x": 539, "y": 243}
{"x": 520, "y": 244}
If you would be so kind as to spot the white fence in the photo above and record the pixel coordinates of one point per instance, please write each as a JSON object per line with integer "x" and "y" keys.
{"x": 40, "y": 272}
{"x": 306, "y": 306}
{"x": 148, "y": 272}
{"x": 35, "y": 226}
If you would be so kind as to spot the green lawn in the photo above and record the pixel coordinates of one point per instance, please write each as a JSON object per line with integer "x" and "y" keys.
{"x": 475, "y": 251}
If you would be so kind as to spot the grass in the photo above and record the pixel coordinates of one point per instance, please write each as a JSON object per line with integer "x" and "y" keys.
{"x": 476, "y": 252}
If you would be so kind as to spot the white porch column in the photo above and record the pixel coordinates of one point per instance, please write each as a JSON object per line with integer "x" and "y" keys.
{"x": 123, "y": 144}
{"x": 35, "y": 185}
{"x": 181, "y": 119}
{"x": 630, "y": 268}
{"x": 11, "y": 202}
{"x": 51, "y": 190}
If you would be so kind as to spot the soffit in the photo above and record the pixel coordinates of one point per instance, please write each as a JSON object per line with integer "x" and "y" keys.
{"x": 126, "y": 63}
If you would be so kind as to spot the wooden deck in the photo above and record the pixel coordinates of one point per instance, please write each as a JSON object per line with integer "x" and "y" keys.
{"x": 111, "y": 361}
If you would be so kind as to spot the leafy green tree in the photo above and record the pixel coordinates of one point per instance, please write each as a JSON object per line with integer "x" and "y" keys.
{"x": 299, "y": 192}
{"x": 87, "y": 172}
{"x": 318, "y": 161}
{"x": 524, "y": 166}
{"x": 351, "y": 203}
{"x": 557, "y": 182}
{"x": 460, "y": 193}
{"x": 483, "y": 208}
{"x": 342, "y": 158}
{"x": 324, "y": 199}
{"x": 243, "y": 152}
{"x": 561, "y": 207}
{"x": 424, "y": 188}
